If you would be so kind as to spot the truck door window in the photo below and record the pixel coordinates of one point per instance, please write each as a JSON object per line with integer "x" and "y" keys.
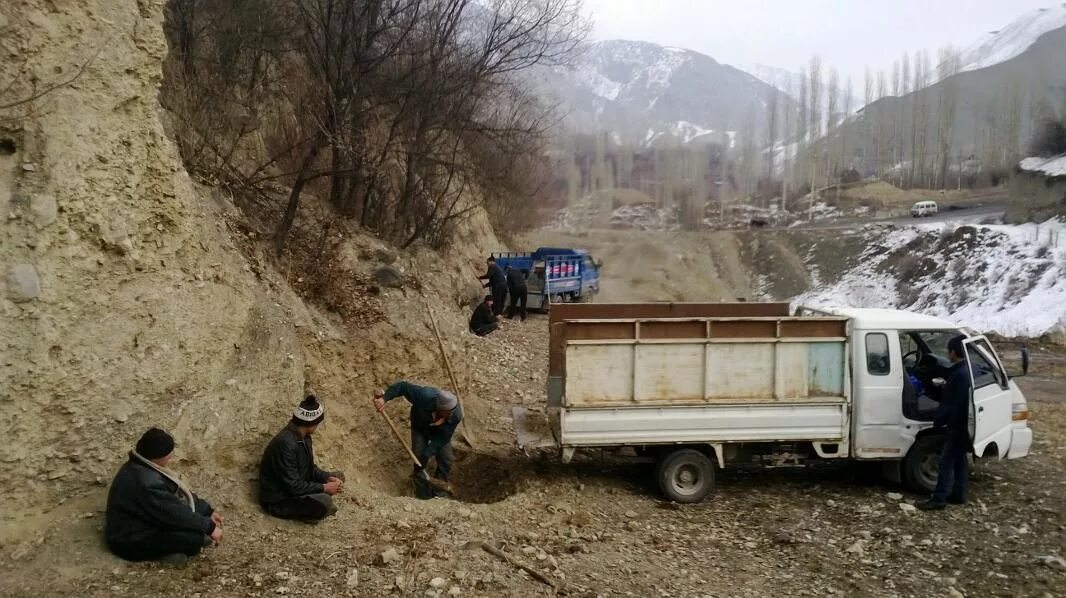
{"x": 878, "y": 361}
{"x": 985, "y": 372}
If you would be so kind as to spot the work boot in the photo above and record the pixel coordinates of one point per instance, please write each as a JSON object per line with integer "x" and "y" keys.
{"x": 955, "y": 499}
{"x": 931, "y": 505}
{"x": 174, "y": 560}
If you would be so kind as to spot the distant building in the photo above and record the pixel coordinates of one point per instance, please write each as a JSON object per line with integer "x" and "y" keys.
{"x": 1038, "y": 189}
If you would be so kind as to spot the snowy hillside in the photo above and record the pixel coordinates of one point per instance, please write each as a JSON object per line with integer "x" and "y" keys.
{"x": 650, "y": 94}
{"x": 1012, "y": 40}
{"x": 1009, "y": 280}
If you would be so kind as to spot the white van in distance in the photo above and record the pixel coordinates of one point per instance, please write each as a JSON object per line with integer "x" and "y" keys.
{"x": 924, "y": 208}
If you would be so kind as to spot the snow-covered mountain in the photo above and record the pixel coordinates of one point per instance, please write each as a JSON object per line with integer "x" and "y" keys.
{"x": 999, "y": 46}
{"x": 650, "y": 94}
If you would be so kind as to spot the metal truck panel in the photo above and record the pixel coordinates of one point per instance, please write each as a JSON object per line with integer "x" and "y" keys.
{"x": 621, "y": 372}
{"x": 822, "y": 420}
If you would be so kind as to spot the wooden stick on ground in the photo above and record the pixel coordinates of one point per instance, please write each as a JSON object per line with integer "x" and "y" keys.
{"x": 514, "y": 562}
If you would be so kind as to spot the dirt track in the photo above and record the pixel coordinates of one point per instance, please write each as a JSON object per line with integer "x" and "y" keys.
{"x": 599, "y": 528}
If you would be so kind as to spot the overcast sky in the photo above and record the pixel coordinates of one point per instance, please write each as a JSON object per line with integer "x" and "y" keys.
{"x": 848, "y": 34}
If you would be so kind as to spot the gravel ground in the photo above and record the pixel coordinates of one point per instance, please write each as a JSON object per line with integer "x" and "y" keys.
{"x": 597, "y": 527}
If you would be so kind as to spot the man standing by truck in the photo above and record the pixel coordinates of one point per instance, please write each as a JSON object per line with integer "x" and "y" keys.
{"x": 516, "y": 288}
{"x": 953, "y": 416}
{"x": 496, "y": 283}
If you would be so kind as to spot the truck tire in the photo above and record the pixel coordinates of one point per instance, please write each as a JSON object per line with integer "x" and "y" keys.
{"x": 685, "y": 475}
{"x": 920, "y": 464}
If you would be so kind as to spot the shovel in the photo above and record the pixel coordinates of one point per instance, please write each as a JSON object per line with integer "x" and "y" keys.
{"x": 433, "y": 482}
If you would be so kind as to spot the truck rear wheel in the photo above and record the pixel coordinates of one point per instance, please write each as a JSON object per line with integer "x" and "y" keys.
{"x": 920, "y": 464}
{"x": 685, "y": 475}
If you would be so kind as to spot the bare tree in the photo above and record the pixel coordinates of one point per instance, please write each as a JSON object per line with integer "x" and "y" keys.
{"x": 832, "y": 96}
{"x": 815, "y": 131}
{"x": 947, "y": 103}
{"x": 772, "y": 109}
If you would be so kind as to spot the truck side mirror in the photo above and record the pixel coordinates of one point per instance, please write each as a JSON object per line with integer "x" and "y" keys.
{"x": 599, "y": 264}
{"x": 1025, "y": 360}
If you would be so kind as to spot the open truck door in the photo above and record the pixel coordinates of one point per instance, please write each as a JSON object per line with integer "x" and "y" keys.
{"x": 991, "y": 399}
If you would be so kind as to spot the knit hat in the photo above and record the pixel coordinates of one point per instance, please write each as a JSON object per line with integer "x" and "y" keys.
{"x": 155, "y": 444}
{"x": 446, "y": 401}
{"x": 955, "y": 345}
{"x": 309, "y": 412}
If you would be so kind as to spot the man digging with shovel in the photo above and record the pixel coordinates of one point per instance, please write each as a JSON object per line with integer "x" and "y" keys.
{"x": 435, "y": 413}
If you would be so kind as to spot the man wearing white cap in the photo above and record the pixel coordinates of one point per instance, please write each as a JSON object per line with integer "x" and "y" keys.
{"x": 435, "y": 413}
{"x": 290, "y": 485}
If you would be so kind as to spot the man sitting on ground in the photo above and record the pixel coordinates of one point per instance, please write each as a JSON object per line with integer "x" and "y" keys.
{"x": 151, "y": 514}
{"x": 290, "y": 486}
{"x": 483, "y": 320}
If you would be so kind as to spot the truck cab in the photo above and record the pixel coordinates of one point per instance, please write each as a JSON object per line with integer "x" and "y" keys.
{"x": 896, "y": 357}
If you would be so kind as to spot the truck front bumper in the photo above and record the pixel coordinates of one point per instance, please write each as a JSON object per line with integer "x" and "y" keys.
{"x": 1020, "y": 441}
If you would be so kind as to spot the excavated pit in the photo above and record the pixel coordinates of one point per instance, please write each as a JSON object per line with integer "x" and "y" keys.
{"x": 484, "y": 479}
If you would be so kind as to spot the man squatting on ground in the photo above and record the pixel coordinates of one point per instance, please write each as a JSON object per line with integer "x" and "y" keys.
{"x": 151, "y": 514}
{"x": 482, "y": 321}
{"x": 435, "y": 413}
{"x": 290, "y": 486}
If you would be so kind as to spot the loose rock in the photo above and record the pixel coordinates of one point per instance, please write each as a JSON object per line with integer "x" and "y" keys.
{"x": 22, "y": 283}
{"x": 353, "y": 577}
{"x": 907, "y": 507}
{"x": 388, "y": 277}
{"x": 388, "y": 556}
{"x": 437, "y": 583}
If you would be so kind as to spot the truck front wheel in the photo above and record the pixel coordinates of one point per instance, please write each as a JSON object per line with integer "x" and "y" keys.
{"x": 920, "y": 464}
{"x": 685, "y": 475}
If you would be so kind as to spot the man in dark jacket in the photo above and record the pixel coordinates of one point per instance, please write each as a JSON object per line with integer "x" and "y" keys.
{"x": 953, "y": 416}
{"x": 151, "y": 514}
{"x": 482, "y": 321}
{"x": 290, "y": 486}
{"x": 516, "y": 288}
{"x": 435, "y": 413}
{"x": 496, "y": 282}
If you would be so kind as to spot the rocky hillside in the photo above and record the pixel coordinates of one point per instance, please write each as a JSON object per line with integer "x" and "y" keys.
{"x": 649, "y": 94}
{"x": 133, "y": 297}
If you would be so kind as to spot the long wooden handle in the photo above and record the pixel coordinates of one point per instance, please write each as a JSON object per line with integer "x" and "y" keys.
{"x": 489, "y": 548}
{"x": 463, "y": 429}
{"x": 396, "y": 433}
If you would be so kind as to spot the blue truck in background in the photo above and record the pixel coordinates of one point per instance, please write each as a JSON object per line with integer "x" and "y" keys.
{"x": 555, "y": 274}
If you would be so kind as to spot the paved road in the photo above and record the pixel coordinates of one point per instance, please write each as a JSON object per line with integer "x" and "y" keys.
{"x": 974, "y": 214}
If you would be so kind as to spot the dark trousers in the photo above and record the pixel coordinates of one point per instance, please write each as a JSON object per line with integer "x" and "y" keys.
{"x": 309, "y": 507}
{"x": 445, "y": 458}
{"x": 485, "y": 329}
{"x": 160, "y": 544}
{"x": 519, "y": 296}
{"x": 952, "y": 475}
{"x": 499, "y": 296}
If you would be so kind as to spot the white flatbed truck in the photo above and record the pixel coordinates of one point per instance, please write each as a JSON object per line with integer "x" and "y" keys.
{"x": 695, "y": 387}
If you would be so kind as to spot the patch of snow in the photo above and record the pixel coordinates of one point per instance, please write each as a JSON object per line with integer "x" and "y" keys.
{"x": 1006, "y": 279}
{"x": 1051, "y": 167}
{"x": 999, "y": 46}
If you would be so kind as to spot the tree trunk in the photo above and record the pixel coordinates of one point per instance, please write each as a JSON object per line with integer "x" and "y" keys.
{"x": 294, "y": 200}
